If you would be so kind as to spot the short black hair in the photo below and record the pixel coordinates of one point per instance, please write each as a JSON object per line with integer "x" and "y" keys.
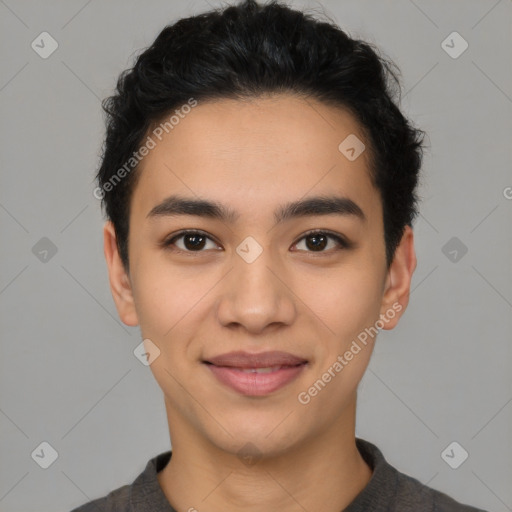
{"x": 249, "y": 50}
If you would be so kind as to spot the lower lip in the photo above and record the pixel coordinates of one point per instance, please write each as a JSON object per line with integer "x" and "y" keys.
{"x": 256, "y": 384}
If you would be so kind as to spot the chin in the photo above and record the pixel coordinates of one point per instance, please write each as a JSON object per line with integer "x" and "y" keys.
{"x": 258, "y": 438}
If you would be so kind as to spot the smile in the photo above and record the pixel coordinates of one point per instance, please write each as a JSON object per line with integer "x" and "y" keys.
{"x": 256, "y": 381}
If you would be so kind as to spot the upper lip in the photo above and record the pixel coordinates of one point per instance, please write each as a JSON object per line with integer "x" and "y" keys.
{"x": 240, "y": 359}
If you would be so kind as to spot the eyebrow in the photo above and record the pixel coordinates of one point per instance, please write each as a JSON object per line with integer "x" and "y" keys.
{"x": 175, "y": 205}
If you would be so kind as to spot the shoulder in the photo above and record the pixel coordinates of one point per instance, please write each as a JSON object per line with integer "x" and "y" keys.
{"x": 143, "y": 494}
{"x": 392, "y": 490}
{"x": 117, "y": 500}
{"x": 413, "y": 495}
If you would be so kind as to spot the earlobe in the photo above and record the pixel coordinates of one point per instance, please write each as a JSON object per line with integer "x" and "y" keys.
{"x": 120, "y": 285}
{"x": 398, "y": 281}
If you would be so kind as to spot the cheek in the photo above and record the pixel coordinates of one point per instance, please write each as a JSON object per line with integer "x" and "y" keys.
{"x": 170, "y": 302}
{"x": 160, "y": 300}
{"x": 346, "y": 301}
{"x": 166, "y": 303}
{"x": 349, "y": 306}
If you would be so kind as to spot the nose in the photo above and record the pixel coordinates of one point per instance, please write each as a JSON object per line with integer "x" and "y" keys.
{"x": 256, "y": 295}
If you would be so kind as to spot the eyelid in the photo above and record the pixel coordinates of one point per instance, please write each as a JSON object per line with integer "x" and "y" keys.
{"x": 169, "y": 241}
{"x": 337, "y": 237}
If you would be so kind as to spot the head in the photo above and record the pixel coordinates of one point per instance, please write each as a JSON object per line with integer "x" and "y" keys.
{"x": 246, "y": 114}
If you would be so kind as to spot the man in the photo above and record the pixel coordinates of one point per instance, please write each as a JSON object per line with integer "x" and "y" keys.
{"x": 260, "y": 187}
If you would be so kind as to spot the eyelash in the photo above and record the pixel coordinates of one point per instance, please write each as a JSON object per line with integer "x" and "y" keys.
{"x": 343, "y": 244}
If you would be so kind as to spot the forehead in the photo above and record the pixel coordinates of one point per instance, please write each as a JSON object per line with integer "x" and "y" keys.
{"x": 257, "y": 152}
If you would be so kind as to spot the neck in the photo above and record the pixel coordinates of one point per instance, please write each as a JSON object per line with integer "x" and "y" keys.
{"x": 326, "y": 472}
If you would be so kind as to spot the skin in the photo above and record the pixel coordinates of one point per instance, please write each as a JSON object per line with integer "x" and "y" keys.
{"x": 254, "y": 156}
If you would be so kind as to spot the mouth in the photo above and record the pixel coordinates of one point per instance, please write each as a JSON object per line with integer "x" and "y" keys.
{"x": 256, "y": 374}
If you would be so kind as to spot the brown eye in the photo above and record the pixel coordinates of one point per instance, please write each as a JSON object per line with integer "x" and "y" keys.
{"x": 317, "y": 241}
{"x": 192, "y": 241}
{"x": 196, "y": 241}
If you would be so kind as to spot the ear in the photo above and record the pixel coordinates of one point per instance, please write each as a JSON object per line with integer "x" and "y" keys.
{"x": 398, "y": 281}
{"x": 120, "y": 285}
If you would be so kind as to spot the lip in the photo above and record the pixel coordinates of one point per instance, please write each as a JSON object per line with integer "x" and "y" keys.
{"x": 233, "y": 370}
{"x": 242, "y": 359}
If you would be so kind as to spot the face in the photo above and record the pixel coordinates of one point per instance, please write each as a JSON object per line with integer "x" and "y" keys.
{"x": 255, "y": 280}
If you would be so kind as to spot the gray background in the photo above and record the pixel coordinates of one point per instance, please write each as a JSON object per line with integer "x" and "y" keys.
{"x": 68, "y": 373}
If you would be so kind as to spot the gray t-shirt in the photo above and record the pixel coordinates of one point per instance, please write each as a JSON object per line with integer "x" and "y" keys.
{"x": 387, "y": 491}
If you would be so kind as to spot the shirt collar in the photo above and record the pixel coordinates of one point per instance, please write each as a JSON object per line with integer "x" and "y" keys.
{"x": 148, "y": 496}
